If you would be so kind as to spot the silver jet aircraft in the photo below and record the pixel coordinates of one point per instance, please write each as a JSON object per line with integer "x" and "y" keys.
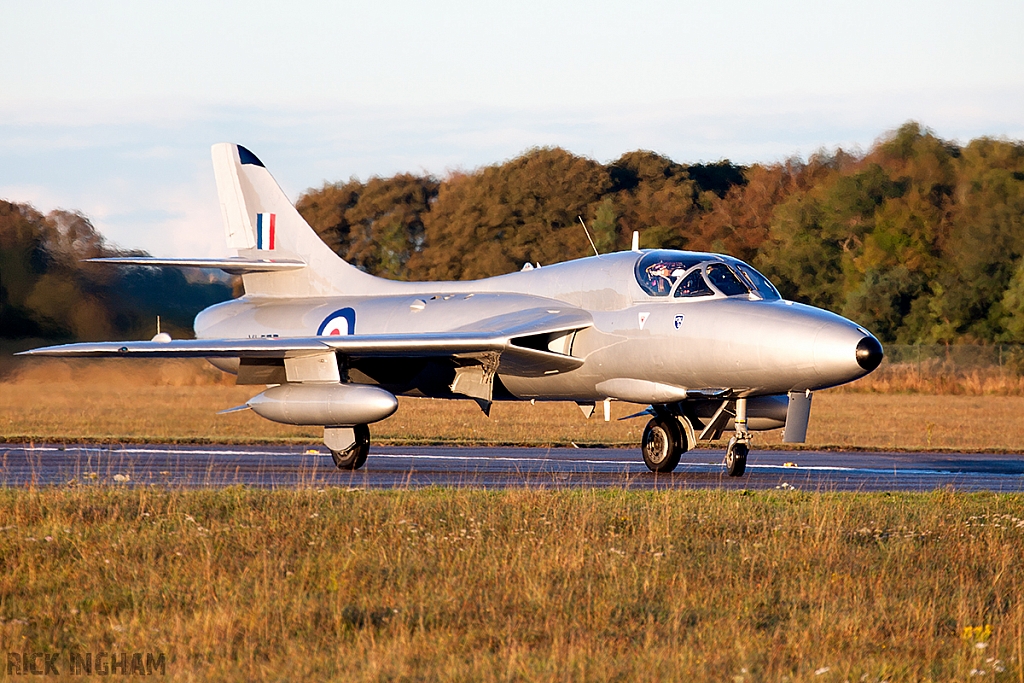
{"x": 703, "y": 339}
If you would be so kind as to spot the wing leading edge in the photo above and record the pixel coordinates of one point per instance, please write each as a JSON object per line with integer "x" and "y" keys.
{"x": 523, "y": 344}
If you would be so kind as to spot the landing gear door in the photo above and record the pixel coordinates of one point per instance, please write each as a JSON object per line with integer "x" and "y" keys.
{"x": 797, "y": 416}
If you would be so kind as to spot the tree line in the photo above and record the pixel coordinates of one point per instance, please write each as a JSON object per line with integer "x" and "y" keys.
{"x": 46, "y": 292}
{"x": 919, "y": 239}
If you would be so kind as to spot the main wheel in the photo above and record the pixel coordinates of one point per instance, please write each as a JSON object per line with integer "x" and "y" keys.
{"x": 354, "y": 457}
{"x": 736, "y": 458}
{"x": 662, "y": 444}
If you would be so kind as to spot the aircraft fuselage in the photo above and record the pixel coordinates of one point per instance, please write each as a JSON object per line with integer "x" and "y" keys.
{"x": 639, "y": 346}
{"x": 704, "y": 340}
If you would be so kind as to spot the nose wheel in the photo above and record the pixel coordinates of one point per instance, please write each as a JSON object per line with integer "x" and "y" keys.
{"x": 736, "y": 457}
{"x": 663, "y": 443}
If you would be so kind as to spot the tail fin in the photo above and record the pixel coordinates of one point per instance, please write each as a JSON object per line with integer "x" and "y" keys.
{"x": 262, "y": 224}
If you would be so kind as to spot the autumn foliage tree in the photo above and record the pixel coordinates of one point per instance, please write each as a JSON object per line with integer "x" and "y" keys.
{"x": 377, "y": 225}
{"x": 46, "y": 291}
{"x": 919, "y": 239}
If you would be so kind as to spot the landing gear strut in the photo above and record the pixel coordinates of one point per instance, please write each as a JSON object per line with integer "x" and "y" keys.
{"x": 663, "y": 443}
{"x": 349, "y": 446}
{"x": 739, "y": 445}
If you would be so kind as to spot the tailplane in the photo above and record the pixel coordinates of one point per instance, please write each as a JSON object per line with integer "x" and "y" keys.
{"x": 262, "y": 224}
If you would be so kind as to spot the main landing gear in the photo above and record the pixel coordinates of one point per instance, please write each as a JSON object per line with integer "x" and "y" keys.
{"x": 666, "y": 439}
{"x": 349, "y": 446}
{"x": 663, "y": 443}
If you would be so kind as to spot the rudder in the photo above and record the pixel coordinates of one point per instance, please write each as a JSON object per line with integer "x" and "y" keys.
{"x": 261, "y": 223}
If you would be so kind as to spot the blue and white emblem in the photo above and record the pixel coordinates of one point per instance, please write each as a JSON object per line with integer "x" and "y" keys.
{"x": 679, "y": 321}
{"x": 340, "y": 323}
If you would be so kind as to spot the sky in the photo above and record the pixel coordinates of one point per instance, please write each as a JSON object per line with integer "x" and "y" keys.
{"x": 110, "y": 107}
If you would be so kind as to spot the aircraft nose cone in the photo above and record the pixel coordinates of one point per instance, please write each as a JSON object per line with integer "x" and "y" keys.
{"x": 844, "y": 352}
{"x": 869, "y": 353}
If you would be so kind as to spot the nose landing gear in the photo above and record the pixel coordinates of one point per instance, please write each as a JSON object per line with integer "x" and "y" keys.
{"x": 736, "y": 457}
{"x": 739, "y": 445}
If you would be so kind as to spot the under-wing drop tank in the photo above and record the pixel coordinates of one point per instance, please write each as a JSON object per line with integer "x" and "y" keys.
{"x": 331, "y": 405}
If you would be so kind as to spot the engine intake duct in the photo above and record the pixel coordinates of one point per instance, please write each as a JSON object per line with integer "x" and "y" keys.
{"x": 328, "y": 405}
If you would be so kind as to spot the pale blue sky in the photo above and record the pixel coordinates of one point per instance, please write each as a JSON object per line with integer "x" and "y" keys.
{"x": 111, "y": 107}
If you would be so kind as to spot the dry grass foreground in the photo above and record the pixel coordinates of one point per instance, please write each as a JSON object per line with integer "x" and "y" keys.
{"x": 177, "y": 401}
{"x": 443, "y": 584}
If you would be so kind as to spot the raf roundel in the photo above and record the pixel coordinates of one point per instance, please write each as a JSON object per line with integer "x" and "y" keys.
{"x": 340, "y": 323}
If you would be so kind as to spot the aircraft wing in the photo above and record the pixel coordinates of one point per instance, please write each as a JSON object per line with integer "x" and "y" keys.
{"x": 518, "y": 339}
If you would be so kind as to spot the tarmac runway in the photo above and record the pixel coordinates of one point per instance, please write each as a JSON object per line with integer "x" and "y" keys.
{"x": 418, "y": 466}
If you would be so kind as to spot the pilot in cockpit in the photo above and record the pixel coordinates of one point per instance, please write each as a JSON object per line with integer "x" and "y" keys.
{"x": 660, "y": 278}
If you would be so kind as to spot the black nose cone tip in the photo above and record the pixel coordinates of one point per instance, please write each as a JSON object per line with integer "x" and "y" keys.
{"x": 869, "y": 353}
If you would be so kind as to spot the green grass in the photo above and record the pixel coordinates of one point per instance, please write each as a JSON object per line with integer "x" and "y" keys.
{"x": 461, "y": 584}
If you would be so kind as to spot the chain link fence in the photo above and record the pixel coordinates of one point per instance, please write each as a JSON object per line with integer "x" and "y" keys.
{"x": 956, "y": 358}
{"x": 992, "y": 369}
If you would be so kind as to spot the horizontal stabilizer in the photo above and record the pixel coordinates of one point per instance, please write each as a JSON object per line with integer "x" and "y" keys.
{"x": 233, "y": 265}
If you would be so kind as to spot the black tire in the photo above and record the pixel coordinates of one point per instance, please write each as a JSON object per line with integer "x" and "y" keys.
{"x": 736, "y": 458}
{"x": 354, "y": 457}
{"x": 663, "y": 443}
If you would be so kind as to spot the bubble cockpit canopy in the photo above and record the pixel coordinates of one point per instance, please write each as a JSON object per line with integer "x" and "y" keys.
{"x": 663, "y": 272}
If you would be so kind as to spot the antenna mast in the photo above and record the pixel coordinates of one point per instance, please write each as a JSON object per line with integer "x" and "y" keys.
{"x": 596, "y": 253}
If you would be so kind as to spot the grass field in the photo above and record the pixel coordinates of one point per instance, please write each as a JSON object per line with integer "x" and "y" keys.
{"x": 519, "y": 585}
{"x": 177, "y": 401}
{"x": 515, "y": 585}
